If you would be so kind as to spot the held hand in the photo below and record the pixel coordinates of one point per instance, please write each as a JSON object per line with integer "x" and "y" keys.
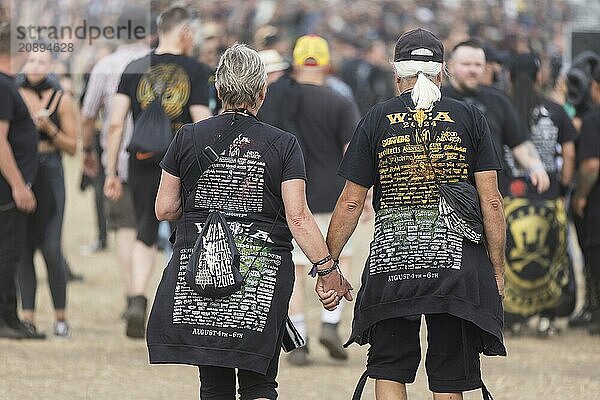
{"x": 540, "y": 179}
{"x": 90, "y": 164}
{"x": 24, "y": 198}
{"x": 331, "y": 288}
{"x": 579, "y": 204}
{"x": 43, "y": 123}
{"x": 113, "y": 189}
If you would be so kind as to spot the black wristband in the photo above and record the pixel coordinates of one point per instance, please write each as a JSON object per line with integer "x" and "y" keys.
{"x": 327, "y": 271}
{"x": 322, "y": 272}
{"x": 564, "y": 189}
{"x": 313, "y": 270}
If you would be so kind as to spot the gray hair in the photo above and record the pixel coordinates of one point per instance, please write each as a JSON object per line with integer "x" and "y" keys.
{"x": 425, "y": 92}
{"x": 240, "y": 76}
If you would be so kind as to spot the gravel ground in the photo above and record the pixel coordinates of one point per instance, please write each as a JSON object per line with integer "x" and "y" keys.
{"x": 99, "y": 362}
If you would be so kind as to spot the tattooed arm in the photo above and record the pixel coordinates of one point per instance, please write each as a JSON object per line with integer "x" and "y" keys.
{"x": 528, "y": 157}
{"x": 588, "y": 177}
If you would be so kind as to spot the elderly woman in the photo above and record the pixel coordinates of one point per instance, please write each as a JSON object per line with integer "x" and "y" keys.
{"x": 258, "y": 183}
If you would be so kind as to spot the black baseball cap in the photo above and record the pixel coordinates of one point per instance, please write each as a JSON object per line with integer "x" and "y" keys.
{"x": 419, "y": 45}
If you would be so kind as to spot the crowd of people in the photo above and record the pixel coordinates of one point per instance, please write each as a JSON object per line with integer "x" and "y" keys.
{"x": 332, "y": 129}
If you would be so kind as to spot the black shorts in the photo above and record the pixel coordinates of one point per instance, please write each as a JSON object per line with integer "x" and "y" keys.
{"x": 452, "y": 360}
{"x": 144, "y": 179}
{"x": 121, "y": 213}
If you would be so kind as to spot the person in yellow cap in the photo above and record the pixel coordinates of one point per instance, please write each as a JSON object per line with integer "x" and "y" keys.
{"x": 323, "y": 121}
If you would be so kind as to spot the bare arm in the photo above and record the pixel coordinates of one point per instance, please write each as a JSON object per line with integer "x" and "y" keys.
{"x": 90, "y": 158}
{"x": 568, "y": 168}
{"x": 493, "y": 222}
{"x": 345, "y": 217}
{"x": 588, "y": 177}
{"x": 66, "y": 139}
{"x": 199, "y": 112}
{"x": 331, "y": 287}
{"x": 22, "y": 194}
{"x": 528, "y": 157}
{"x": 301, "y": 221}
{"x": 168, "y": 205}
{"x": 118, "y": 113}
{"x": 88, "y": 130}
{"x": 113, "y": 188}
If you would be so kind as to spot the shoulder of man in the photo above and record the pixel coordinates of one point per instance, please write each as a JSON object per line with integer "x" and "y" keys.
{"x": 494, "y": 94}
{"x": 138, "y": 66}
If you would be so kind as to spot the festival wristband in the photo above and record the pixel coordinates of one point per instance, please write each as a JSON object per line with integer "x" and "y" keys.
{"x": 314, "y": 270}
{"x": 326, "y": 271}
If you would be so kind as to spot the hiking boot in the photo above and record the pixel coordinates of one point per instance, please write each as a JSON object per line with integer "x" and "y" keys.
{"x": 125, "y": 312}
{"x": 299, "y": 356}
{"x": 136, "y": 318}
{"x": 331, "y": 340}
{"x": 62, "y": 329}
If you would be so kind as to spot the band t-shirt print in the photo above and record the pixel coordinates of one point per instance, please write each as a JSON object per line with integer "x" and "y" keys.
{"x": 401, "y": 151}
{"x": 244, "y": 184}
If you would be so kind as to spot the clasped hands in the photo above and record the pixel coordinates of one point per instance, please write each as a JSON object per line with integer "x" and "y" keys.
{"x": 331, "y": 288}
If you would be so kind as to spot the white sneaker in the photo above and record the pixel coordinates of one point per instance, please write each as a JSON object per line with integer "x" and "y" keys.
{"x": 62, "y": 329}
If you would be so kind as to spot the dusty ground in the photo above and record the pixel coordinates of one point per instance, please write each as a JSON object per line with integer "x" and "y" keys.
{"x": 99, "y": 362}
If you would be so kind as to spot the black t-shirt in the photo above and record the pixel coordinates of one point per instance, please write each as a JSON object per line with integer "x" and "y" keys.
{"x": 242, "y": 330}
{"x": 22, "y": 134}
{"x": 384, "y": 151}
{"x": 589, "y": 147}
{"x": 323, "y": 122}
{"x": 506, "y": 128}
{"x": 550, "y": 127}
{"x": 246, "y": 182}
{"x": 370, "y": 83}
{"x": 417, "y": 263}
{"x": 185, "y": 83}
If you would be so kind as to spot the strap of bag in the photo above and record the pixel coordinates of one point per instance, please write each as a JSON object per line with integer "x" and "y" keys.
{"x": 210, "y": 154}
{"x": 360, "y": 386}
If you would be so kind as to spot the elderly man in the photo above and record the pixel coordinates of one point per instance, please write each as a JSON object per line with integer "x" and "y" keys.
{"x": 438, "y": 248}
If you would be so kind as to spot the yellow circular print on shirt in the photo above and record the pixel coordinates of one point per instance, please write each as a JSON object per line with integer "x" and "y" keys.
{"x": 172, "y": 81}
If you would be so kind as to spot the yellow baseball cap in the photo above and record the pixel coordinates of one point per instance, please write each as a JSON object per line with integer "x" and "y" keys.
{"x": 311, "y": 50}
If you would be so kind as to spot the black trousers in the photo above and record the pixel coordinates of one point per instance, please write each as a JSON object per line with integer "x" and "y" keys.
{"x": 46, "y": 234}
{"x": 218, "y": 383}
{"x": 13, "y": 225}
{"x": 592, "y": 260}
